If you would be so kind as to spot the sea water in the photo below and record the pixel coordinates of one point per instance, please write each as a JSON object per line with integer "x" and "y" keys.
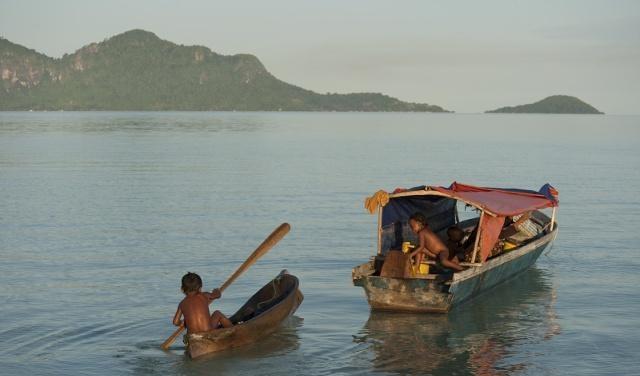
{"x": 101, "y": 213}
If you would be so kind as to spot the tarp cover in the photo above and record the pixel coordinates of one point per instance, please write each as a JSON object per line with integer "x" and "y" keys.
{"x": 440, "y": 213}
{"x": 503, "y": 201}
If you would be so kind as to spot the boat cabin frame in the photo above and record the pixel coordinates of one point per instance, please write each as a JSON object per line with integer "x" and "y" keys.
{"x": 479, "y": 205}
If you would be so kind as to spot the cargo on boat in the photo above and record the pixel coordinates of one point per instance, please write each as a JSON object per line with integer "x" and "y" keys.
{"x": 504, "y": 234}
{"x": 260, "y": 316}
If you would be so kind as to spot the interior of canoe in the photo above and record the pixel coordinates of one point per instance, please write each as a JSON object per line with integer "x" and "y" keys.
{"x": 268, "y": 296}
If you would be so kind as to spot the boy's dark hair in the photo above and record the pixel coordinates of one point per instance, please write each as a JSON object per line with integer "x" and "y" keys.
{"x": 419, "y": 217}
{"x": 455, "y": 231}
{"x": 191, "y": 282}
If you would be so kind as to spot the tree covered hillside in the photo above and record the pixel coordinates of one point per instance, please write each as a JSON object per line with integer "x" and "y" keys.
{"x": 137, "y": 70}
{"x": 555, "y": 104}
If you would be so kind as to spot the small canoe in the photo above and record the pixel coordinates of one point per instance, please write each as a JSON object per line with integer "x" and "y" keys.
{"x": 257, "y": 318}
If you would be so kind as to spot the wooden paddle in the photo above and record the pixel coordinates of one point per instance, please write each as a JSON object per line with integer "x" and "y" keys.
{"x": 263, "y": 248}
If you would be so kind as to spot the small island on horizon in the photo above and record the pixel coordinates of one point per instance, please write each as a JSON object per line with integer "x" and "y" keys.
{"x": 136, "y": 70}
{"x": 555, "y": 104}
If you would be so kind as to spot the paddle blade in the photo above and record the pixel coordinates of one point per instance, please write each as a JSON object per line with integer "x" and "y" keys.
{"x": 165, "y": 345}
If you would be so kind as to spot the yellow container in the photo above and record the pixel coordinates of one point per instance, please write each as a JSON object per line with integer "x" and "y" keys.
{"x": 423, "y": 269}
{"x": 406, "y": 246}
{"x": 508, "y": 246}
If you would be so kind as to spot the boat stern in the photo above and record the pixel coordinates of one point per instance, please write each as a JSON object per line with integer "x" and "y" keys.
{"x": 401, "y": 294}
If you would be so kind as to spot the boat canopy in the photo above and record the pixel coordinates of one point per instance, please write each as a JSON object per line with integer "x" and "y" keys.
{"x": 502, "y": 201}
{"x": 438, "y": 205}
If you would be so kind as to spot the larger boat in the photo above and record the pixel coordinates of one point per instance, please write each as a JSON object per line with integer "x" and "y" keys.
{"x": 491, "y": 257}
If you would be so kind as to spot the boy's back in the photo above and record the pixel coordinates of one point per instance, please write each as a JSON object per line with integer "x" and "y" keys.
{"x": 195, "y": 308}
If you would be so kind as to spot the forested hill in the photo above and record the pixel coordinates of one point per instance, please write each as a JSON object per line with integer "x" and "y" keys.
{"x": 555, "y": 104}
{"x": 137, "y": 70}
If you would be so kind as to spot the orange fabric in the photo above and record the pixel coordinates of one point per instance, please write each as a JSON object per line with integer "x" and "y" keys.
{"x": 379, "y": 199}
{"x": 489, "y": 231}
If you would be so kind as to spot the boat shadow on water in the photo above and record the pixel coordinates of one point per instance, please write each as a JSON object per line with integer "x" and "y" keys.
{"x": 473, "y": 338}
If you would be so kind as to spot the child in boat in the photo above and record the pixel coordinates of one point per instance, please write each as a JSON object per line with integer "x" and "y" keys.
{"x": 454, "y": 243}
{"x": 430, "y": 244}
{"x": 195, "y": 307}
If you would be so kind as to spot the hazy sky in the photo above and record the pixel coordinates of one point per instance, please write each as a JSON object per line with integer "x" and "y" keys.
{"x": 467, "y": 56}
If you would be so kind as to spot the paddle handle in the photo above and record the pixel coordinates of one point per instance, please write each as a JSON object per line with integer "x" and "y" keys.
{"x": 263, "y": 248}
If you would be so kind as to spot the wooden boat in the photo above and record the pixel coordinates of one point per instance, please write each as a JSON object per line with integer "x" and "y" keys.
{"x": 440, "y": 289}
{"x": 260, "y": 316}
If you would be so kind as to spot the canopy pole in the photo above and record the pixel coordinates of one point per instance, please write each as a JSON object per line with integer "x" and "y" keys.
{"x": 455, "y": 213}
{"x": 475, "y": 246}
{"x": 553, "y": 218}
{"x": 379, "y": 230}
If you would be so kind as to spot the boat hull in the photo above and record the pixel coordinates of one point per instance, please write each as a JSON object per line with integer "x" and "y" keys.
{"x": 440, "y": 295}
{"x": 255, "y": 327}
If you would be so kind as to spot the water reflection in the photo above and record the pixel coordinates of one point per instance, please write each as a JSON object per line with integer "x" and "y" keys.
{"x": 477, "y": 338}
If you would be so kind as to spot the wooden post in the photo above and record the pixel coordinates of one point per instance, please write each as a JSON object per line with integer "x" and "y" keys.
{"x": 455, "y": 213}
{"x": 475, "y": 246}
{"x": 379, "y": 230}
{"x": 553, "y": 218}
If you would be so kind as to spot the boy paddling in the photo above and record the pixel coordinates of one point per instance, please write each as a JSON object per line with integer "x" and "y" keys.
{"x": 195, "y": 307}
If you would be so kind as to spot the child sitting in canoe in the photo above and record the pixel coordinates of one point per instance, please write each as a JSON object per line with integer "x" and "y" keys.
{"x": 430, "y": 244}
{"x": 195, "y": 307}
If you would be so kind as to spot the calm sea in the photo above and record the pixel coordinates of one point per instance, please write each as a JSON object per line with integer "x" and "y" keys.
{"x": 102, "y": 213}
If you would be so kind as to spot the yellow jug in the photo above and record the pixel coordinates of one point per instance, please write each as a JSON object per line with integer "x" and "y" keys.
{"x": 508, "y": 246}
{"x": 406, "y": 246}
{"x": 422, "y": 269}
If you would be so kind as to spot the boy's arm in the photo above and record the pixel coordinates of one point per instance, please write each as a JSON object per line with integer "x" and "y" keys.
{"x": 176, "y": 317}
{"x": 214, "y": 294}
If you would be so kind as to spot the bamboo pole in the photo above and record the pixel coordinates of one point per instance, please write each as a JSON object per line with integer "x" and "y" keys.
{"x": 379, "y": 230}
{"x": 553, "y": 218}
{"x": 470, "y": 264}
{"x": 455, "y": 213}
{"x": 475, "y": 246}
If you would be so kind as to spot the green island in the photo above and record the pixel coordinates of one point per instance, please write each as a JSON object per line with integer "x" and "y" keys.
{"x": 136, "y": 70}
{"x": 555, "y": 104}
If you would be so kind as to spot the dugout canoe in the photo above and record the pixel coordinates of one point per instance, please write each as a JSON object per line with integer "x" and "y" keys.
{"x": 260, "y": 316}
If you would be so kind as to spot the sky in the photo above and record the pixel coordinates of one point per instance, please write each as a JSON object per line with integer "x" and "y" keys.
{"x": 466, "y": 56}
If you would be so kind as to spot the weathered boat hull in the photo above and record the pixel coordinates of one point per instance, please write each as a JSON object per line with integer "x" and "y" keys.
{"x": 440, "y": 295}
{"x": 253, "y": 321}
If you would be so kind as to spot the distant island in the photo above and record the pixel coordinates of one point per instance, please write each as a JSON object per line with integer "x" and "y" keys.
{"x": 136, "y": 70}
{"x": 555, "y": 104}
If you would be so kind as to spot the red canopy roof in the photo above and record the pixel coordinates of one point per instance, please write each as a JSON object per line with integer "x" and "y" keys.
{"x": 499, "y": 201}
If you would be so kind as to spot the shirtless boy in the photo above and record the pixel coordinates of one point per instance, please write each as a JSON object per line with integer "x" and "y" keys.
{"x": 430, "y": 244}
{"x": 195, "y": 307}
